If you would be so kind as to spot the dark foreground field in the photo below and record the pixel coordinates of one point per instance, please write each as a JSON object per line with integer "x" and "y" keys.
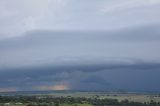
{"x": 66, "y": 98}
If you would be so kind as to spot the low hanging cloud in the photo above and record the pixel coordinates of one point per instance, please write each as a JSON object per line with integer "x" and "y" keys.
{"x": 55, "y": 48}
{"x": 60, "y": 60}
{"x": 138, "y": 76}
{"x": 79, "y": 44}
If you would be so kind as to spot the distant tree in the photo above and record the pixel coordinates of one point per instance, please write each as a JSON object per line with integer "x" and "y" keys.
{"x": 75, "y": 105}
{"x": 56, "y": 104}
{"x": 30, "y": 104}
{"x": 153, "y": 103}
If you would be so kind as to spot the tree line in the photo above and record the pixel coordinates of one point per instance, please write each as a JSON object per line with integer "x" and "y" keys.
{"x": 56, "y": 101}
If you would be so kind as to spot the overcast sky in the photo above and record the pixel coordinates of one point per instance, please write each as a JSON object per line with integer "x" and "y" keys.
{"x": 19, "y": 16}
{"x": 79, "y": 44}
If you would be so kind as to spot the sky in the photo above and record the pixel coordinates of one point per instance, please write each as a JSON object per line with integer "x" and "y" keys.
{"x": 79, "y": 45}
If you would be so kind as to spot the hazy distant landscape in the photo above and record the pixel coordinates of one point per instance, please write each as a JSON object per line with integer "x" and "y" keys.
{"x": 79, "y": 98}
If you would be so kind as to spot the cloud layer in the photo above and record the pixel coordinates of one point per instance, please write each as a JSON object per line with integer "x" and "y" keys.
{"x": 79, "y": 44}
{"x": 20, "y": 16}
{"x": 137, "y": 76}
{"x": 97, "y": 60}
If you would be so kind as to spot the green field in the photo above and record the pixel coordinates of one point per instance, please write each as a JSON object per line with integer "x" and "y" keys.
{"x": 135, "y": 98}
{"x": 82, "y": 99}
{"x": 75, "y": 105}
{"x": 120, "y": 97}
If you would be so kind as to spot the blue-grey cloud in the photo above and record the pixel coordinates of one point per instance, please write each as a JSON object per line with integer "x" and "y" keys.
{"x": 71, "y": 44}
{"x": 138, "y": 76}
{"x": 49, "y": 47}
{"x": 82, "y": 60}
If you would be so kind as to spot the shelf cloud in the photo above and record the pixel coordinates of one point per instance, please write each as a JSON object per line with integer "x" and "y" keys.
{"x": 79, "y": 45}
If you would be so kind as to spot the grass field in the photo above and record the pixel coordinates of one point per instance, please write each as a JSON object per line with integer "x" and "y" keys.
{"x": 136, "y": 97}
{"x": 75, "y": 105}
{"x": 131, "y": 96}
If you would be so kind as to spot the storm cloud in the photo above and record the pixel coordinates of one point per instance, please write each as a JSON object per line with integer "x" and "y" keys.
{"x": 137, "y": 76}
{"x": 97, "y": 60}
{"x": 79, "y": 45}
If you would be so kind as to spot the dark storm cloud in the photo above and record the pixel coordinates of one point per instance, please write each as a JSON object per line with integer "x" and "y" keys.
{"x": 124, "y": 59}
{"x": 138, "y": 76}
{"x": 119, "y": 48}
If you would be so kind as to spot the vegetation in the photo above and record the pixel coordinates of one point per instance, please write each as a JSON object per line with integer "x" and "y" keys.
{"x": 68, "y": 101}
